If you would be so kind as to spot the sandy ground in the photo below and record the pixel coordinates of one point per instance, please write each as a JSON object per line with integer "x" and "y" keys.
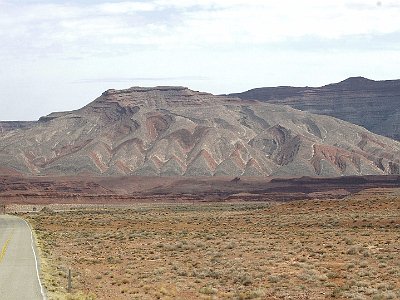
{"x": 313, "y": 249}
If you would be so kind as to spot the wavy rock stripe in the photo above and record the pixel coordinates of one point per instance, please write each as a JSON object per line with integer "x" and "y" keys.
{"x": 174, "y": 131}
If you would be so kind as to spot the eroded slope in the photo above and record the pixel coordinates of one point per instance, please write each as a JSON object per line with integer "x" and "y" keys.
{"x": 374, "y": 105}
{"x": 171, "y": 131}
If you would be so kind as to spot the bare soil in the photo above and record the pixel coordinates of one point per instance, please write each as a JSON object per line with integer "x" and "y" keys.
{"x": 312, "y": 249}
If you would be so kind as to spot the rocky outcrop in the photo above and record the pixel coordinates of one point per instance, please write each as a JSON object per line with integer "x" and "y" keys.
{"x": 40, "y": 190}
{"x": 374, "y": 105}
{"x": 6, "y": 126}
{"x": 174, "y": 131}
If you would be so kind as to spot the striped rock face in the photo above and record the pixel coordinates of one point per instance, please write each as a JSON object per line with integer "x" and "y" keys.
{"x": 174, "y": 131}
{"x": 374, "y": 105}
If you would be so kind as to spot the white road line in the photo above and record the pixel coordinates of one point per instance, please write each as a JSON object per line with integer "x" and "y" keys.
{"x": 36, "y": 262}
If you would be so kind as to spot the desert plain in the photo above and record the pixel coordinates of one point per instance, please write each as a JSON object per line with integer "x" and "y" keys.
{"x": 344, "y": 248}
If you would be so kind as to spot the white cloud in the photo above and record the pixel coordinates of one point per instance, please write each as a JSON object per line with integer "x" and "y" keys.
{"x": 126, "y": 7}
{"x": 235, "y": 44}
{"x": 260, "y": 23}
{"x": 136, "y": 79}
{"x": 187, "y": 23}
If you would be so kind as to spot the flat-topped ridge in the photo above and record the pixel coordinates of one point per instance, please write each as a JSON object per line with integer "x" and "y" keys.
{"x": 373, "y": 104}
{"x": 159, "y": 96}
{"x": 145, "y": 89}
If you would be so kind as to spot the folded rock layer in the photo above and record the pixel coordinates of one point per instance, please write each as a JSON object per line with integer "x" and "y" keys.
{"x": 174, "y": 131}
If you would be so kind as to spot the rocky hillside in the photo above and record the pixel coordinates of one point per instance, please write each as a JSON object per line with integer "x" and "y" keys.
{"x": 6, "y": 126}
{"x": 374, "y": 105}
{"x": 171, "y": 131}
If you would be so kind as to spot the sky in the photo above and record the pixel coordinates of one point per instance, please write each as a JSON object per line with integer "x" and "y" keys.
{"x": 61, "y": 55}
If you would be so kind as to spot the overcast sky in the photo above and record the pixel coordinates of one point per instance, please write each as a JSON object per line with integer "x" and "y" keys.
{"x": 60, "y": 55}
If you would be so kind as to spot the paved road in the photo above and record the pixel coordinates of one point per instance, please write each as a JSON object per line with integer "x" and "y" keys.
{"x": 18, "y": 266}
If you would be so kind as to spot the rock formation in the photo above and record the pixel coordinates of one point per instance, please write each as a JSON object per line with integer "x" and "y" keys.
{"x": 6, "y": 126}
{"x": 374, "y": 105}
{"x": 174, "y": 131}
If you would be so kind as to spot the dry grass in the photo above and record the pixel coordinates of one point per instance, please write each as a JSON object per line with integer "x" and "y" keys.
{"x": 342, "y": 249}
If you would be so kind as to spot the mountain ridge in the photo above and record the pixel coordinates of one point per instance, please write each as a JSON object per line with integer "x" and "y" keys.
{"x": 174, "y": 131}
{"x": 372, "y": 104}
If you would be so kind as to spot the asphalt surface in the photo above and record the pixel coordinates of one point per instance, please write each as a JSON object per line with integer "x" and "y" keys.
{"x": 19, "y": 278}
